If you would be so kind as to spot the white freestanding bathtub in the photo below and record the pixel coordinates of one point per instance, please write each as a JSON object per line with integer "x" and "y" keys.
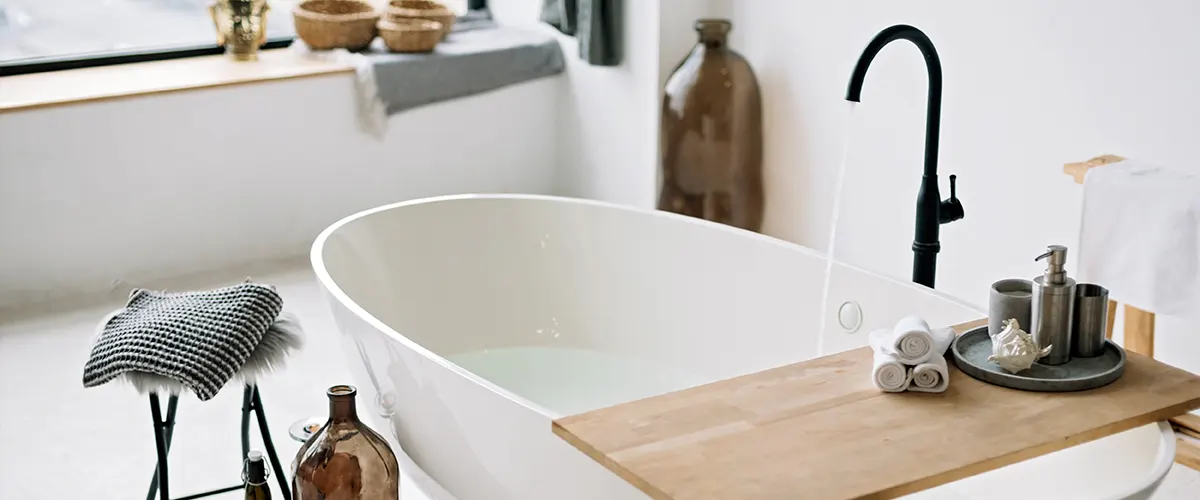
{"x": 473, "y": 321}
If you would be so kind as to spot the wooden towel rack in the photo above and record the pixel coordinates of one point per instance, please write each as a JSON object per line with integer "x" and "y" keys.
{"x": 1139, "y": 331}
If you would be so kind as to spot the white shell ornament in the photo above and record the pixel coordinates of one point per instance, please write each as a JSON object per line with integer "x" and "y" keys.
{"x": 1014, "y": 349}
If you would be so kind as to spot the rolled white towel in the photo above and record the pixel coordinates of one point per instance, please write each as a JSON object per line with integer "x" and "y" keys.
{"x": 911, "y": 341}
{"x": 933, "y": 375}
{"x": 888, "y": 373}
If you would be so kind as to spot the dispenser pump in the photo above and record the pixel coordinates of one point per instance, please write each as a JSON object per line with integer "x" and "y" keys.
{"x": 1052, "y": 309}
{"x": 1056, "y": 258}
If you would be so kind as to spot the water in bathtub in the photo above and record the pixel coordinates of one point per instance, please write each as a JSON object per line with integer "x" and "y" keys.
{"x": 570, "y": 381}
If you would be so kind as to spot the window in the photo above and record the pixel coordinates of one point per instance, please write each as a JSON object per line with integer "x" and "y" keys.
{"x": 47, "y": 35}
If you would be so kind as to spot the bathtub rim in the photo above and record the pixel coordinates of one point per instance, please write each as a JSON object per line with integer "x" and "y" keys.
{"x": 331, "y": 286}
{"x": 1163, "y": 461}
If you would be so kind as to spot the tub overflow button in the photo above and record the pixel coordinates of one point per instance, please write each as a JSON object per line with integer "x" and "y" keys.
{"x": 850, "y": 316}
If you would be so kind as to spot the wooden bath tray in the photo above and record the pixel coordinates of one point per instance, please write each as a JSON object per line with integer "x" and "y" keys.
{"x": 819, "y": 429}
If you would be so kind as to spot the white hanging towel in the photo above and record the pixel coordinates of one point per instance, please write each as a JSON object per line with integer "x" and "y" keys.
{"x": 1140, "y": 236}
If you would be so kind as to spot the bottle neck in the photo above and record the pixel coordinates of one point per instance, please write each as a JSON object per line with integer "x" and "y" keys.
{"x": 713, "y": 42}
{"x": 342, "y": 403}
{"x": 256, "y": 472}
{"x": 713, "y": 32}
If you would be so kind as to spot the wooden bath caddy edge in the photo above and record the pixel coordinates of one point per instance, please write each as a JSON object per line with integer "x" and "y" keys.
{"x": 918, "y": 481}
{"x": 612, "y": 465}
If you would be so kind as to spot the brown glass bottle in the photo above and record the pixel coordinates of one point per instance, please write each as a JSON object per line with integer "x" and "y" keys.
{"x": 345, "y": 459}
{"x": 712, "y": 134}
{"x": 256, "y": 477}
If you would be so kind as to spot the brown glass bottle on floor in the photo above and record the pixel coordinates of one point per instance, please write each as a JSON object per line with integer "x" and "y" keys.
{"x": 712, "y": 134}
{"x": 345, "y": 459}
{"x": 256, "y": 477}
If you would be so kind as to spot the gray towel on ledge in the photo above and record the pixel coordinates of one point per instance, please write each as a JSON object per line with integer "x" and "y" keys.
{"x": 200, "y": 339}
{"x": 466, "y": 63}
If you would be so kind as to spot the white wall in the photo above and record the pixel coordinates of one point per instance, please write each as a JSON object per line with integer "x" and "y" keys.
{"x": 1029, "y": 85}
{"x": 609, "y": 116}
{"x": 136, "y": 188}
{"x": 607, "y": 129}
{"x": 149, "y": 187}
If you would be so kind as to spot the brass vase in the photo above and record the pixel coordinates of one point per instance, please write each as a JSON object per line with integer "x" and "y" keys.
{"x": 345, "y": 459}
{"x": 241, "y": 26}
{"x": 712, "y": 144}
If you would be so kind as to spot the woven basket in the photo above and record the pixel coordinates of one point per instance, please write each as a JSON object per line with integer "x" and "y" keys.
{"x": 335, "y": 24}
{"x": 410, "y": 35}
{"x": 421, "y": 9}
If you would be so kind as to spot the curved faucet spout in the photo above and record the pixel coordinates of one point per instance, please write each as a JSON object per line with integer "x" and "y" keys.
{"x": 931, "y": 210}
{"x": 933, "y": 113}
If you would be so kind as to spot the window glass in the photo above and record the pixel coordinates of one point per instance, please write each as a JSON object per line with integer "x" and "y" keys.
{"x": 36, "y": 30}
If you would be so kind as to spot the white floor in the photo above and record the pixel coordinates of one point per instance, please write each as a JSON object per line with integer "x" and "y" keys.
{"x": 61, "y": 441}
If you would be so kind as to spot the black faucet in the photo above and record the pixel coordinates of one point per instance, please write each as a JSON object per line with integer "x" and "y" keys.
{"x": 931, "y": 210}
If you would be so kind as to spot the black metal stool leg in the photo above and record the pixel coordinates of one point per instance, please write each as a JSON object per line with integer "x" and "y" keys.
{"x": 247, "y": 405}
{"x": 160, "y": 443}
{"x": 280, "y": 475}
{"x": 164, "y": 430}
{"x": 172, "y": 404}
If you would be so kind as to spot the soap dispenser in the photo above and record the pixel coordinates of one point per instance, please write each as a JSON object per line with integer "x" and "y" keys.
{"x": 1053, "y": 307}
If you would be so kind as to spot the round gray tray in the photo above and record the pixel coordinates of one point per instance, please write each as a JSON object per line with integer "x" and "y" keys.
{"x": 971, "y": 350}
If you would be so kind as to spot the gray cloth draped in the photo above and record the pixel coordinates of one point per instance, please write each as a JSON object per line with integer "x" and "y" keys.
{"x": 469, "y": 62}
{"x": 595, "y": 23}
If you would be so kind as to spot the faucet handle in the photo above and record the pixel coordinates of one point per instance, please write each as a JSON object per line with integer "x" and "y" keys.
{"x": 951, "y": 209}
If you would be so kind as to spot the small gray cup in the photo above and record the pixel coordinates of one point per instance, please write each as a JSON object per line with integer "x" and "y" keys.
{"x": 1009, "y": 299}
{"x": 1091, "y": 320}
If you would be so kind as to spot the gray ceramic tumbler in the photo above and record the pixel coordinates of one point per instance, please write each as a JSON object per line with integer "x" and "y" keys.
{"x": 1091, "y": 320}
{"x": 1009, "y": 299}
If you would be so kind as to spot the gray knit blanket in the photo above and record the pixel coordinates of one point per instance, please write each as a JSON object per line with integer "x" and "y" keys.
{"x": 200, "y": 339}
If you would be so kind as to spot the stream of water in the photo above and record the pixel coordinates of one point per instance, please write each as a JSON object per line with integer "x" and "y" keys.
{"x": 833, "y": 226}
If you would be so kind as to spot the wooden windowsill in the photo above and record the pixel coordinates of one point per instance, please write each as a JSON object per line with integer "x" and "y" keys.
{"x": 57, "y": 88}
